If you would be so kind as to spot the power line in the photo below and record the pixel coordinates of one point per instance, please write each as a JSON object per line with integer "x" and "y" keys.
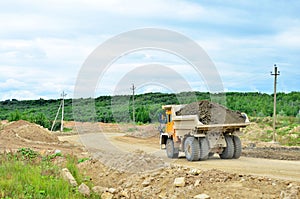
{"x": 133, "y": 108}
{"x": 276, "y": 73}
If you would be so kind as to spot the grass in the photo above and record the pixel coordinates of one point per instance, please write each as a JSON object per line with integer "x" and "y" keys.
{"x": 26, "y": 174}
{"x": 66, "y": 130}
{"x": 71, "y": 165}
{"x": 285, "y": 130}
{"x": 131, "y": 129}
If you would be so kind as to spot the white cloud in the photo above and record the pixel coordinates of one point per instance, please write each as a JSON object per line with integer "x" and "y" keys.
{"x": 11, "y": 83}
{"x": 44, "y": 43}
{"x": 289, "y": 38}
{"x": 146, "y": 9}
{"x": 20, "y": 95}
{"x": 22, "y": 23}
{"x": 40, "y": 83}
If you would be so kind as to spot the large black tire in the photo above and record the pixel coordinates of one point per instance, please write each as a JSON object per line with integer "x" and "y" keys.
{"x": 204, "y": 149}
{"x": 192, "y": 149}
{"x": 172, "y": 152}
{"x": 229, "y": 149}
{"x": 237, "y": 147}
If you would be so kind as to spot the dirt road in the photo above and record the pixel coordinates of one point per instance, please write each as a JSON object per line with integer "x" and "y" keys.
{"x": 136, "y": 167}
{"x": 118, "y": 143}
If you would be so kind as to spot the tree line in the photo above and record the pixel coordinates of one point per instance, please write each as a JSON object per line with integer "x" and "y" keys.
{"x": 147, "y": 106}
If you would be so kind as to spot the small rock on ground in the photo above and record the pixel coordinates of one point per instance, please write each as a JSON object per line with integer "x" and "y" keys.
{"x": 179, "y": 182}
{"x": 107, "y": 195}
{"x": 202, "y": 196}
{"x": 112, "y": 190}
{"x": 84, "y": 189}
{"x": 69, "y": 177}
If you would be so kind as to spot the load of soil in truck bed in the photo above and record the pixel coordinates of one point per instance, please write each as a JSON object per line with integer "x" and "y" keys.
{"x": 211, "y": 113}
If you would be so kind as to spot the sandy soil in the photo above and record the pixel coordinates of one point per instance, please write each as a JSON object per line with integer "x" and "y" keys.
{"x": 242, "y": 178}
{"x": 136, "y": 167}
{"x": 21, "y": 133}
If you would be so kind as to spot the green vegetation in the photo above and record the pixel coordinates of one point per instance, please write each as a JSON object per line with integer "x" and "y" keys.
{"x": 287, "y": 130}
{"x": 71, "y": 165}
{"x": 38, "y": 118}
{"x": 26, "y": 174}
{"x": 147, "y": 106}
{"x": 258, "y": 106}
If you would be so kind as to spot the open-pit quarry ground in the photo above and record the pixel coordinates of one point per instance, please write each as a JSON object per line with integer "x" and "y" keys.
{"x": 126, "y": 162}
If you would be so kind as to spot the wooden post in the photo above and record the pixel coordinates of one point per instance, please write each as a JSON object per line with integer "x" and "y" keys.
{"x": 274, "y": 110}
{"x": 133, "y": 108}
{"x": 62, "y": 111}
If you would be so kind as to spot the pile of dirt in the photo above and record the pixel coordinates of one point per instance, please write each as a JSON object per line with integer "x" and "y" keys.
{"x": 270, "y": 151}
{"x": 27, "y": 132}
{"x": 211, "y": 113}
{"x": 142, "y": 131}
{"x": 133, "y": 162}
{"x": 160, "y": 183}
{"x": 89, "y": 127}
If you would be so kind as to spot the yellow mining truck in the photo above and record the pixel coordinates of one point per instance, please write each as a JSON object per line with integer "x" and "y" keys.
{"x": 198, "y": 141}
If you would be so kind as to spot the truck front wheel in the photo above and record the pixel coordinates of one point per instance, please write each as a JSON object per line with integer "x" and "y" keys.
{"x": 192, "y": 149}
{"x": 172, "y": 152}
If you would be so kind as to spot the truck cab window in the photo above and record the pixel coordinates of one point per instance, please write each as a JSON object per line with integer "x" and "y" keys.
{"x": 169, "y": 118}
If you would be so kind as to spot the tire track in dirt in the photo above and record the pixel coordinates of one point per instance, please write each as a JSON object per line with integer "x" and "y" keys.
{"x": 113, "y": 142}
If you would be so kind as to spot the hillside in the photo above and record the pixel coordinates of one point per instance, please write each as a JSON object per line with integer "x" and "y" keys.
{"x": 147, "y": 106}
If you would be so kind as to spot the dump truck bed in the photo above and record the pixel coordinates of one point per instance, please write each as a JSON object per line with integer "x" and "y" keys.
{"x": 222, "y": 126}
{"x": 189, "y": 123}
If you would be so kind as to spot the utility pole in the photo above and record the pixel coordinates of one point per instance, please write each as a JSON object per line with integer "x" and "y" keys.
{"x": 55, "y": 117}
{"x": 276, "y": 73}
{"x": 62, "y": 110}
{"x": 133, "y": 108}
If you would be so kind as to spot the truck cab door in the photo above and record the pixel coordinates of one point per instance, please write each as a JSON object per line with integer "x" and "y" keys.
{"x": 170, "y": 123}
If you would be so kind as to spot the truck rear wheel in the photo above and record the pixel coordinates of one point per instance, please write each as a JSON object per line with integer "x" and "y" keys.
{"x": 229, "y": 149}
{"x": 204, "y": 149}
{"x": 237, "y": 147}
{"x": 172, "y": 152}
{"x": 192, "y": 149}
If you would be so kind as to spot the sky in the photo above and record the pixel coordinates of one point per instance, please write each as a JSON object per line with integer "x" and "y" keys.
{"x": 44, "y": 44}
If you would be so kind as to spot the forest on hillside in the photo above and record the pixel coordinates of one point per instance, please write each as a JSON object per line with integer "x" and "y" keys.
{"x": 147, "y": 106}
